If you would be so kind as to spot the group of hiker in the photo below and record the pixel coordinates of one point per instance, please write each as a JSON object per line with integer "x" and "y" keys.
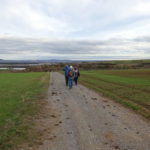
{"x": 71, "y": 75}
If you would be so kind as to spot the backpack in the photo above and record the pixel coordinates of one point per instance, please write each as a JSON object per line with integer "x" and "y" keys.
{"x": 70, "y": 73}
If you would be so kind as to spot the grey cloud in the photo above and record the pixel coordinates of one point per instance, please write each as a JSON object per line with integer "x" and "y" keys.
{"x": 146, "y": 50}
{"x": 81, "y": 48}
{"x": 142, "y": 39}
{"x": 57, "y": 47}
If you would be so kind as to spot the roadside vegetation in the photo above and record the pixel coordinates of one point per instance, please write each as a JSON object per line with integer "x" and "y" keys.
{"x": 92, "y": 65}
{"x": 21, "y": 96}
{"x": 128, "y": 87}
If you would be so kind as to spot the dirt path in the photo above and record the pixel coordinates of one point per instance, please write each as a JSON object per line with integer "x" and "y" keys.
{"x": 87, "y": 121}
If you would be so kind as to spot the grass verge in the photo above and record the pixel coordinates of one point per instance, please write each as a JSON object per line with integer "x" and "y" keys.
{"x": 21, "y": 98}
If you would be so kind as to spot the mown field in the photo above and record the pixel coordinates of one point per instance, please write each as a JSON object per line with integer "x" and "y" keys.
{"x": 129, "y": 87}
{"x": 20, "y": 94}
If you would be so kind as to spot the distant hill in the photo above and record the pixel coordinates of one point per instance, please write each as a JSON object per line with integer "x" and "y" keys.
{"x": 17, "y": 61}
{"x": 32, "y": 61}
{"x": 89, "y": 62}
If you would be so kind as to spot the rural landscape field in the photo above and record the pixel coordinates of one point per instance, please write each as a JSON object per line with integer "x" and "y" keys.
{"x": 75, "y": 75}
{"x": 24, "y": 97}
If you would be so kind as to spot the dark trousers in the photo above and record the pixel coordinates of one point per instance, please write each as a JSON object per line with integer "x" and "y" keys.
{"x": 66, "y": 78}
{"x": 76, "y": 80}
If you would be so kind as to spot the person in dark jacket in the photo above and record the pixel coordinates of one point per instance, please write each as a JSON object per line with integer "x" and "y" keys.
{"x": 76, "y": 75}
{"x": 66, "y": 71}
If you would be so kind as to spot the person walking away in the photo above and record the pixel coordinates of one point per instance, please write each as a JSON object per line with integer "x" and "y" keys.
{"x": 70, "y": 77}
{"x": 76, "y": 75}
{"x": 66, "y": 70}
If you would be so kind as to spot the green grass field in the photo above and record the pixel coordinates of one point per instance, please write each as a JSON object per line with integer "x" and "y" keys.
{"x": 19, "y": 95}
{"x": 129, "y": 87}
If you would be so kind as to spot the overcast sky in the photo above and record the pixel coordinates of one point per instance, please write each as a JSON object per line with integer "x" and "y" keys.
{"x": 75, "y": 29}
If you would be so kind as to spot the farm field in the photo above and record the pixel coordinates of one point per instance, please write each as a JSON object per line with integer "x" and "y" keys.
{"x": 129, "y": 87}
{"x": 19, "y": 96}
